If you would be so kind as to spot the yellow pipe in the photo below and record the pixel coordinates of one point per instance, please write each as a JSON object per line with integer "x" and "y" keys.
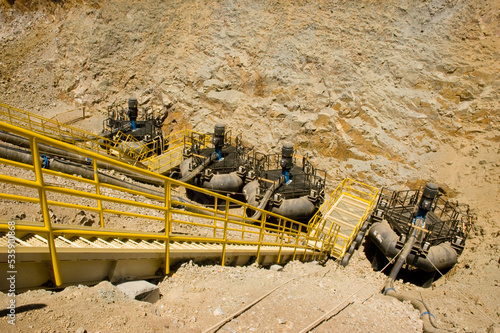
{"x": 28, "y": 228}
{"x": 120, "y": 212}
{"x": 133, "y": 192}
{"x": 18, "y": 198}
{"x": 96, "y": 233}
{"x": 196, "y": 224}
{"x": 67, "y": 176}
{"x": 191, "y": 214}
{"x": 19, "y": 181}
{"x": 87, "y": 195}
{"x": 16, "y": 164}
{"x": 74, "y": 206}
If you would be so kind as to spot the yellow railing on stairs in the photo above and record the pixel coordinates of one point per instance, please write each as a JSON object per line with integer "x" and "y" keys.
{"x": 364, "y": 194}
{"x": 53, "y": 128}
{"x": 174, "y": 145}
{"x": 35, "y": 193}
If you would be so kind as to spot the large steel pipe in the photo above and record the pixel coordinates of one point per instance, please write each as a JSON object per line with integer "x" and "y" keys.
{"x": 72, "y": 168}
{"x": 56, "y": 152}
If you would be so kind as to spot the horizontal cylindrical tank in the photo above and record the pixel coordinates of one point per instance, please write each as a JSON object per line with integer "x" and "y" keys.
{"x": 300, "y": 209}
{"x": 440, "y": 256}
{"x": 229, "y": 182}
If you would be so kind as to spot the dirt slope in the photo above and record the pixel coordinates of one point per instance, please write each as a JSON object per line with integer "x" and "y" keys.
{"x": 392, "y": 93}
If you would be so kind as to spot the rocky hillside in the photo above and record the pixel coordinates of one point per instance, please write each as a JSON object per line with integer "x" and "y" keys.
{"x": 389, "y": 92}
{"x": 373, "y": 90}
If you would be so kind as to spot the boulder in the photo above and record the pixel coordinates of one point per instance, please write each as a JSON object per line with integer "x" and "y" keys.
{"x": 140, "y": 290}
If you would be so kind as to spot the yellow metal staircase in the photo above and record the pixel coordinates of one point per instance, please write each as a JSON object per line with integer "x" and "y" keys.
{"x": 346, "y": 211}
{"x": 140, "y": 234}
{"x": 48, "y": 251}
{"x": 88, "y": 259}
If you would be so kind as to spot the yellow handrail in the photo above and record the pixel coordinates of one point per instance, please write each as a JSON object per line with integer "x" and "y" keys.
{"x": 51, "y": 190}
{"x": 55, "y": 129}
{"x": 350, "y": 188}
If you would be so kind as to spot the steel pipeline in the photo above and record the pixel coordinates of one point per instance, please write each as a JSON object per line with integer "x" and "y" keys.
{"x": 250, "y": 192}
{"x": 189, "y": 175}
{"x": 56, "y": 152}
{"x": 425, "y": 314}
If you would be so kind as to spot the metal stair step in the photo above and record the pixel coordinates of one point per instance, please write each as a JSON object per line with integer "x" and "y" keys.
{"x": 340, "y": 222}
{"x": 354, "y": 202}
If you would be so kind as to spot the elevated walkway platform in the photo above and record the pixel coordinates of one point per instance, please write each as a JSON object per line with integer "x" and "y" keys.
{"x": 167, "y": 161}
{"x": 345, "y": 213}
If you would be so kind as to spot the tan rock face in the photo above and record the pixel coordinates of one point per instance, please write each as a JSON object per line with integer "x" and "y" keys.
{"x": 390, "y": 92}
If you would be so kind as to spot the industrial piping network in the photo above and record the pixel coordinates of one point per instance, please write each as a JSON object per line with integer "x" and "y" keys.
{"x": 301, "y": 208}
{"x": 417, "y": 229}
{"x": 233, "y": 169}
{"x": 49, "y": 253}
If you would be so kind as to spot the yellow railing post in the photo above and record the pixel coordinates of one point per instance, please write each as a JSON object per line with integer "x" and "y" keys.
{"x": 226, "y": 222}
{"x": 296, "y": 246}
{"x": 45, "y": 210}
{"x": 261, "y": 234}
{"x": 282, "y": 231}
{"x": 168, "y": 223}
{"x": 29, "y": 122}
{"x": 306, "y": 243}
{"x": 168, "y": 205}
{"x": 278, "y": 231}
{"x": 215, "y": 217}
{"x": 327, "y": 240}
{"x": 244, "y": 223}
{"x": 98, "y": 192}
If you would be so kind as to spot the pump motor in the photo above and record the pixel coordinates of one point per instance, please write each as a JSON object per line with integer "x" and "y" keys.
{"x": 286, "y": 162}
{"x": 218, "y": 138}
{"x": 428, "y": 195}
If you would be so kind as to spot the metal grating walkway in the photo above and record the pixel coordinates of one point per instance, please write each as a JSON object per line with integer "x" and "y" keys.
{"x": 349, "y": 214}
{"x": 345, "y": 214}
